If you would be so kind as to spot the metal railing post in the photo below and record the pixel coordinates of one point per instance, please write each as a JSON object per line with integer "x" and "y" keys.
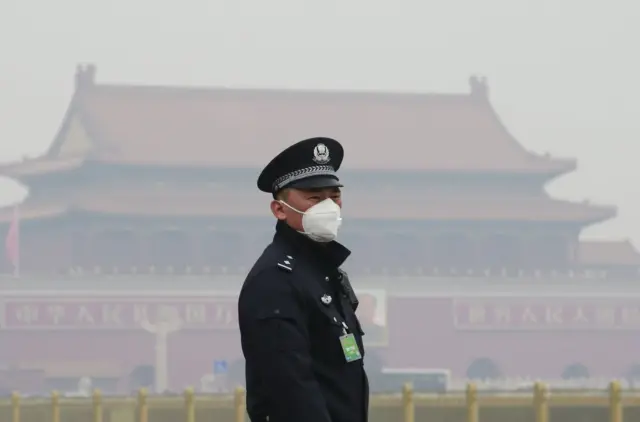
{"x": 189, "y": 405}
{"x": 239, "y": 404}
{"x": 143, "y": 407}
{"x": 472, "y": 402}
{"x": 541, "y": 402}
{"x": 96, "y": 404}
{"x": 15, "y": 407}
{"x": 55, "y": 406}
{"x": 615, "y": 402}
{"x": 408, "y": 405}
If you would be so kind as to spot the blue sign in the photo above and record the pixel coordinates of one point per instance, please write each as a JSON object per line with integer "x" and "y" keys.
{"x": 220, "y": 367}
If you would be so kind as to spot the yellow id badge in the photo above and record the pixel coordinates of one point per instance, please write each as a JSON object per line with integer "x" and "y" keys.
{"x": 350, "y": 348}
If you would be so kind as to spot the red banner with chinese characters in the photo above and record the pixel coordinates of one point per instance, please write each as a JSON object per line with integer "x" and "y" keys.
{"x": 517, "y": 314}
{"x": 116, "y": 312}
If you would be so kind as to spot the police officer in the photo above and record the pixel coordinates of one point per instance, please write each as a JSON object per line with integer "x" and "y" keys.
{"x": 300, "y": 336}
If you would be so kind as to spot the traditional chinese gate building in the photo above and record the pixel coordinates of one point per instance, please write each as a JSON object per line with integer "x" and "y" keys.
{"x": 152, "y": 189}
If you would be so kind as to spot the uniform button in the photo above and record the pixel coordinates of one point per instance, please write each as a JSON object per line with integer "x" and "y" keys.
{"x": 276, "y": 311}
{"x": 326, "y": 279}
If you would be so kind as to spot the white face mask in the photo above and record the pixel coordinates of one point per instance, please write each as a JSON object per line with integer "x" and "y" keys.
{"x": 322, "y": 221}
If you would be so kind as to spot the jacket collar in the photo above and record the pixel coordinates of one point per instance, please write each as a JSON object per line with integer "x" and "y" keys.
{"x": 330, "y": 254}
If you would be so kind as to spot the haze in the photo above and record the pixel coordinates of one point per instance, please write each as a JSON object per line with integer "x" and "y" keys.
{"x": 562, "y": 74}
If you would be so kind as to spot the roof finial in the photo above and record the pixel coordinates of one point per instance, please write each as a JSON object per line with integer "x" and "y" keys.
{"x": 85, "y": 76}
{"x": 479, "y": 86}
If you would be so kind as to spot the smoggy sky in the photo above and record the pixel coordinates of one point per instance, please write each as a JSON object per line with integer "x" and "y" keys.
{"x": 563, "y": 74}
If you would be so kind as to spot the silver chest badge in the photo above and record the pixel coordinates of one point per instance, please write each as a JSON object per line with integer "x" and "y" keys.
{"x": 321, "y": 154}
{"x": 326, "y": 299}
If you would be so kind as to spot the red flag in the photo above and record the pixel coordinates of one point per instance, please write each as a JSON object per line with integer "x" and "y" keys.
{"x": 12, "y": 242}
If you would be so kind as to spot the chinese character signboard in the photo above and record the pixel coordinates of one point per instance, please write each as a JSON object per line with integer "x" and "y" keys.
{"x": 116, "y": 313}
{"x": 517, "y": 314}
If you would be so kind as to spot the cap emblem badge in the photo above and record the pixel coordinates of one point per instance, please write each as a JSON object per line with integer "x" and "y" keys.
{"x": 321, "y": 154}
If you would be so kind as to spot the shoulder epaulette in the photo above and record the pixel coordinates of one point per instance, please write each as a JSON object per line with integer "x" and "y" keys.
{"x": 286, "y": 264}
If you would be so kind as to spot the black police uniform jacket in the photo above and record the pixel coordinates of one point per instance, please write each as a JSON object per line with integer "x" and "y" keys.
{"x": 296, "y": 370}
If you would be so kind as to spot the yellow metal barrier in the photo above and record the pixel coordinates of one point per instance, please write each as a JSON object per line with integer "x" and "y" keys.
{"x": 143, "y": 407}
{"x": 239, "y": 405}
{"x": 55, "y": 406}
{"x": 189, "y": 405}
{"x": 15, "y": 407}
{"x": 541, "y": 402}
{"x": 473, "y": 410}
{"x": 471, "y": 405}
{"x": 97, "y": 406}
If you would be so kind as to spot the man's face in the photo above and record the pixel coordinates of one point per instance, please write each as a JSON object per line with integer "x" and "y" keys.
{"x": 302, "y": 200}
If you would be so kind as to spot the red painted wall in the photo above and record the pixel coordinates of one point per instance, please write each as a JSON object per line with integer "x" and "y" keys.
{"x": 535, "y": 336}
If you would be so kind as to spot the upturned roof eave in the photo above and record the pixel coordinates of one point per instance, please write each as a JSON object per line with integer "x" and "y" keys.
{"x": 28, "y": 170}
{"x": 42, "y": 164}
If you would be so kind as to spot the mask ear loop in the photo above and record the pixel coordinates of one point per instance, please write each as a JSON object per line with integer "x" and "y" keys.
{"x": 290, "y": 207}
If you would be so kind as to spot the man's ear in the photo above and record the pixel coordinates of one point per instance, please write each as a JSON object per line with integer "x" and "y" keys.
{"x": 278, "y": 210}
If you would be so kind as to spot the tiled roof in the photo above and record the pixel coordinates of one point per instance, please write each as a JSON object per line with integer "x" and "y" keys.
{"x": 244, "y": 128}
{"x": 178, "y": 126}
